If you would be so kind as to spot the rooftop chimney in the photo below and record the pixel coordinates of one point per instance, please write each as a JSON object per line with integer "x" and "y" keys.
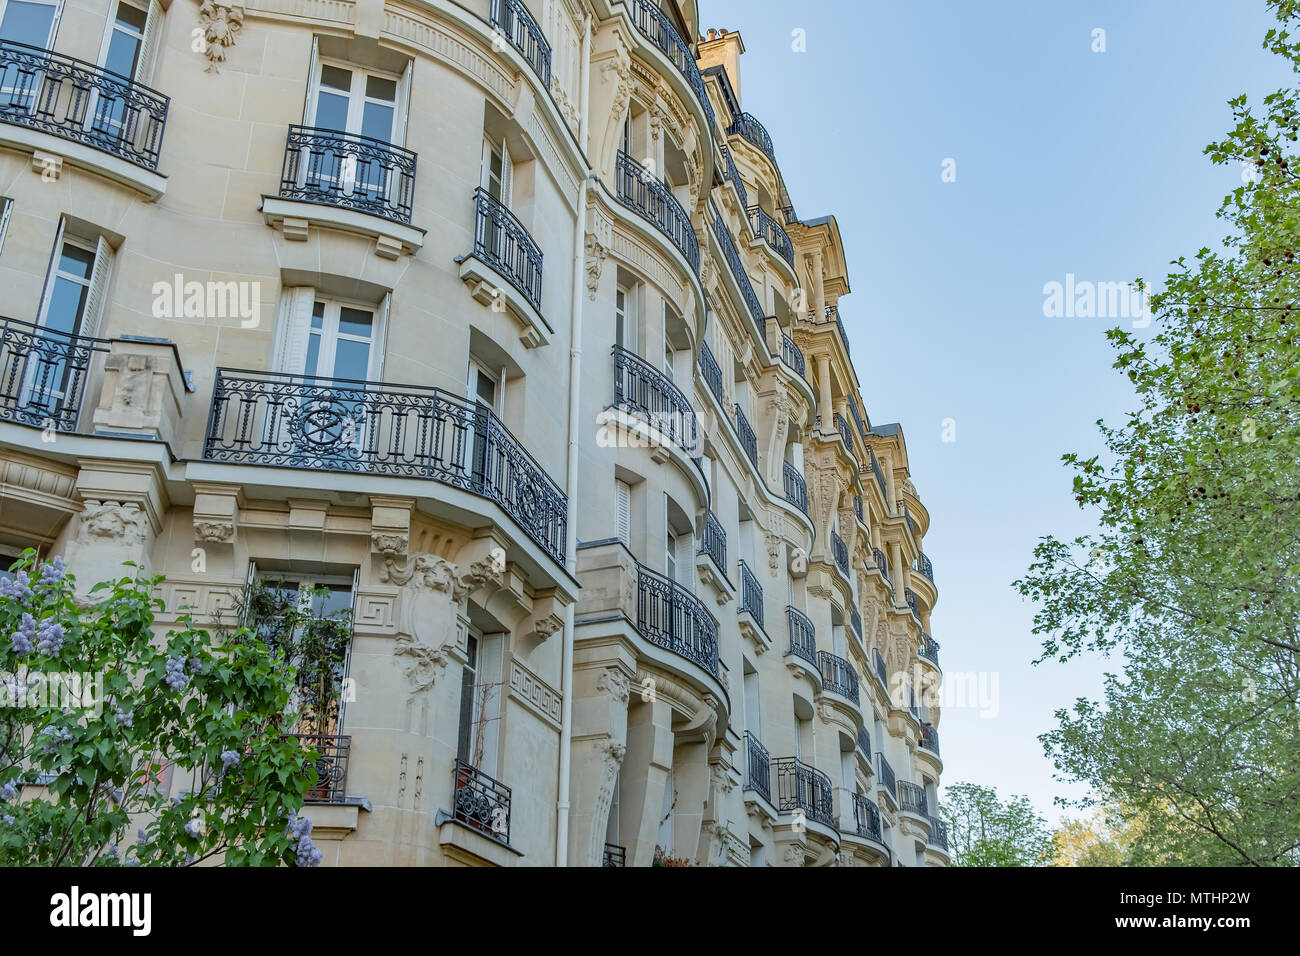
{"x": 723, "y": 48}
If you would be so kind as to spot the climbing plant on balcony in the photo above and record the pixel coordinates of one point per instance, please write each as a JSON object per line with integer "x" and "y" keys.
{"x": 1193, "y": 579}
{"x": 124, "y": 745}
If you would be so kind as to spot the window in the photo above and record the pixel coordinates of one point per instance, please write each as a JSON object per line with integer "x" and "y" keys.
{"x": 623, "y": 511}
{"x": 753, "y": 715}
{"x": 485, "y": 390}
{"x": 670, "y": 555}
{"x": 612, "y": 826}
{"x": 347, "y": 99}
{"x": 130, "y": 38}
{"x": 480, "y": 700}
{"x": 497, "y": 172}
{"x": 321, "y": 337}
{"x": 33, "y": 22}
{"x": 625, "y": 327}
{"x": 627, "y": 135}
{"x": 6, "y": 209}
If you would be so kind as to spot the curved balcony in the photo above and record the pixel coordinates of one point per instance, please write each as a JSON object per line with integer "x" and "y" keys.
{"x": 646, "y": 392}
{"x": 377, "y": 428}
{"x": 910, "y": 597}
{"x": 751, "y": 594}
{"x": 43, "y": 374}
{"x": 803, "y": 636}
{"x": 773, "y": 232}
{"x": 734, "y": 175}
{"x": 857, "y": 416}
{"x": 880, "y": 477}
{"x": 658, "y": 29}
{"x": 846, "y": 433}
{"x": 502, "y": 242}
{"x": 711, "y": 372}
{"x": 864, "y": 744}
{"x": 882, "y": 563}
{"x": 886, "y": 779}
{"x": 650, "y": 199}
{"x": 747, "y": 126}
{"x": 866, "y": 818}
{"x": 840, "y": 551}
{"x": 929, "y": 649}
{"x": 930, "y": 739}
{"x": 796, "y": 489}
{"x": 748, "y": 440}
{"x": 758, "y": 768}
{"x": 857, "y": 508}
{"x": 714, "y": 542}
{"x": 81, "y": 102}
{"x": 923, "y": 565}
{"x": 738, "y": 272}
{"x": 805, "y": 788}
{"x": 791, "y": 355}
{"x": 911, "y": 799}
{"x": 882, "y": 674}
{"x": 838, "y": 676}
{"x": 349, "y": 171}
{"x": 673, "y": 618}
{"x": 856, "y": 620}
{"x": 512, "y": 18}
{"x": 938, "y": 833}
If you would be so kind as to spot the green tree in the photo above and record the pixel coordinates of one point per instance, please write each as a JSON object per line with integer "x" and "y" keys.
{"x": 1191, "y": 580}
{"x": 99, "y": 710}
{"x": 985, "y": 831}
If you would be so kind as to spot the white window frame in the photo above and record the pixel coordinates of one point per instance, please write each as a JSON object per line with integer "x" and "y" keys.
{"x": 625, "y": 319}
{"x": 330, "y": 336}
{"x": 505, "y": 182}
{"x": 357, "y": 96}
{"x": 54, "y": 23}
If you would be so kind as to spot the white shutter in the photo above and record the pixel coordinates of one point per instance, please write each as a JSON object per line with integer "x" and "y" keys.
{"x": 49, "y": 273}
{"x": 295, "y": 327}
{"x": 507, "y": 175}
{"x": 309, "y": 103}
{"x": 379, "y": 339}
{"x": 623, "y": 511}
{"x": 485, "y": 166}
{"x": 97, "y": 294}
{"x": 249, "y": 580}
{"x": 149, "y": 44}
{"x": 402, "y": 109}
{"x": 4, "y": 220}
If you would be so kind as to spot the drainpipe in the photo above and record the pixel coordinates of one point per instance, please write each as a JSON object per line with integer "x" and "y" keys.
{"x": 571, "y": 471}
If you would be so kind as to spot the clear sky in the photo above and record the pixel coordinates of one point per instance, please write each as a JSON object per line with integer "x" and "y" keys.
{"x": 1067, "y": 161}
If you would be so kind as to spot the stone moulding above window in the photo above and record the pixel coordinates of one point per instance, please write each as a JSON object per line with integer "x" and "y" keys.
{"x": 295, "y": 218}
{"x": 489, "y": 287}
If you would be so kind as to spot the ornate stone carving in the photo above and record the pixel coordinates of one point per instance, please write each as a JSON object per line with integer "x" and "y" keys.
{"x": 221, "y": 25}
{"x": 220, "y": 532}
{"x": 527, "y": 687}
{"x": 595, "y": 262}
{"x": 104, "y": 522}
{"x": 794, "y": 854}
{"x": 389, "y": 543}
{"x": 773, "y": 543}
{"x": 614, "y": 683}
{"x": 721, "y": 777}
{"x": 612, "y": 752}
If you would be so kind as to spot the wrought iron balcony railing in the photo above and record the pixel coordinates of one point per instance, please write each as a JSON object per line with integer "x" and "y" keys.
{"x": 881, "y": 671}
{"x": 714, "y": 541}
{"x": 648, "y": 393}
{"x": 348, "y": 170}
{"x": 907, "y": 516}
{"x": 738, "y": 271}
{"x": 751, "y": 593}
{"x": 748, "y": 127}
{"x": 405, "y": 431}
{"x": 911, "y": 798}
{"x": 615, "y": 855}
{"x": 710, "y": 372}
{"x": 864, "y": 743}
{"x": 801, "y": 787}
{"x": 857, "y": 416}
{"x": 81, "y": 102}
{"x": 856, "y": 620}
{"x": 43, "y": 374}
{"x": 502, "y": 242}
{"x": 331, "y": 765}
{"x": 734, "y": 175}
{"x": 857, "y": 507}
{"x": 791, "y": 354}
{"x": 910, "y": 597}
{"x": 838, "y": 675}
{"x": 796, "y": 490}
{"x": 803, "y": 636}
{"x": 923, "y": 565}
{"x": 673, "y": 618}
{"x": 840, "y": 551}
{"x": 929, "y": 649}
{"x": 846, "y": 433}
{"x": 930, "y": 739}
{"x": 866, "y": 818}
{"x": 880, "y": 477}
{"x": 844, "y": 336}
{"x": 758, "y": 767}
{"x": 748, "y": 440}
{"x": 512, "y": 18}
{"x": 481, "y": 802}
{"x": 887, "y": 779}
{"x": 938, "y": 833}
{"x": 773, "y": 232}
{"x": 639, "y": 190}
{"x": 658, "y": 29}
{"x": 883, "y": 564}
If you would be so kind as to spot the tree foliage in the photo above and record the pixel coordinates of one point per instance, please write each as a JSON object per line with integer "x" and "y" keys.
{"x": 983, "y": 830}
{"x": 1191, "y": 580}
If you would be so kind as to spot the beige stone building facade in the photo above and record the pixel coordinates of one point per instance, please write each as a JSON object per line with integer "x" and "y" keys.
{"x": 493, "y": 320}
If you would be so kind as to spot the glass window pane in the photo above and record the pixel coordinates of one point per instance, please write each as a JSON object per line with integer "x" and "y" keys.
{"x": 485, "y": 388}
{"x": 67, "y": 303}
{"x": 377, "y": 122}
{"x": 123, "y": 50}
{"x": 355, "y": 322}
{"x": 317, "y": 315}
{"x": 336, "y": 78}
{"x": 332, "y": 111}
{"x": 312, "y": 366}
{"x": 132, "y": 18}
{"x": 26, "y": 22}
{"x": 351, "y": 359}
{"x": 76, "y": 261}
{"x": 380, "y": 88}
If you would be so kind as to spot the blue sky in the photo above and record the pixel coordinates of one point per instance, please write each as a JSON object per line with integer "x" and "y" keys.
{"x": 1067, "y": 161}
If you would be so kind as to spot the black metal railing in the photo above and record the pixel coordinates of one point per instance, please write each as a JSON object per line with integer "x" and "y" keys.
{"x": 938, "y": 833}
{"x": 857, "y": 416}
{"x": 81, "y": 102}
{"x": 857, "y": 507}
{"x": 840, "y": 551}
{"x": 758, "y": 767}
{"x": 803, "y": 636}
{"x": 791, "y": 355}
{"x": 907, "y": 516}
{"x": 405, "y": 431}
{"x": 711, "y": 372}
{"x": 673, "y": 618}
{"x": 748, "y": 127}
{"x": 714, "y": 541}
{"x": 734, "y": 175}
{"x": 910, "y": 597}
{"x": 887, "y": 779}
{"x": 844, "y": 336}
{"x": 883, "y": 564}
{"x": 856, "y": 620}
{"x": 658, "y": 29}
{"x": 929, "y": 649}
{"x": 502, "y": 242}
{"x": 331, "y": 764}
{"x": 801, "y": 787}
{"x": 880, "y": 477}
{"x": 911, "y": 798}
{"x": 838, "y": 675}
{"x": 615, "y": 855}
{"x": 651, "y": 199}
{"x": 923, "y": 565}
{"x": 348, "y": 170}
{"x": 480, "y": 802}
{"x": 512, "y": 18}
{"x": 43, "y": 374}
{"x": 881, "y": 672}
{"x": 748, "y": 440}
{"x": 864, "y": 743}
{"x": 738, "y": 271}
{"x": 796, "y": 490}
{"x": 773, "y": 232}
{"x": 846, "y": 433}
{"x": 751, "y": 593}
{"x": 643, "y": 390}
{"x": 866, "y": 818}
{"x": 930, "y": 739}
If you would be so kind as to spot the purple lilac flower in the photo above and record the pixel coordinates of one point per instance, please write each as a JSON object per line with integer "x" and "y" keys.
{"x": 175, "y": 676}
{"x": 196, "y": 666}
{"x": 23, "y": 639}
{"x": 193, "y": 827}
{"x": 229, "y": 758}
{"x": 124, "y": 717}
{"x": 305, "y": 851}
{"x": 141, "y": 836}
{"x": 113, "y": 853}
{"x": 8, "y": 819}
{"x": 53, "y": 572}
{"x": 50, "y": 637}
{"x": 17, "y": 587}
{"x": 131, "y": 861}
{"x": 8, "y": 792}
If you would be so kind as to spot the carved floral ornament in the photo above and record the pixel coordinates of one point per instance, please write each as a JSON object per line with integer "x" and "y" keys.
{"x": 221, "y": 23}
{"x": 104, "y": 522}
